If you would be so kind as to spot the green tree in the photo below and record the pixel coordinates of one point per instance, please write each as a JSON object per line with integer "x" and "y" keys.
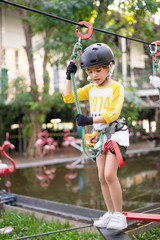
{"x": 59, "y": 38}
{"x": 40, "y": 103}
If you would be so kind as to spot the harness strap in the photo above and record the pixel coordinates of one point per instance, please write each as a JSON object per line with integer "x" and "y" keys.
{"x": 119, "y": 124}
{"x": 107, "y": 146}
{"x": 114, "y": 146}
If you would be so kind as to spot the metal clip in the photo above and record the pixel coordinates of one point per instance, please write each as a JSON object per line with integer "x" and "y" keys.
{"x": 153, "y": 51}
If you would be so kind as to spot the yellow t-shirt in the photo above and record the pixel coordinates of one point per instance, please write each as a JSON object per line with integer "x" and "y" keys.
{"x": 104, "y": 101}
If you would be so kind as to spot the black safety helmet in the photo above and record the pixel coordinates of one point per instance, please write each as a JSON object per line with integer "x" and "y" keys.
{"x": 95, "y": 55}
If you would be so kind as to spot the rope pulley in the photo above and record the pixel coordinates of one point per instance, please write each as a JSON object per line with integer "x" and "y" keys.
{"x": 90, "y": 30}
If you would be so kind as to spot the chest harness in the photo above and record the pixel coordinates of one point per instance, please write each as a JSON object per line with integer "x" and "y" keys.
{"x": 94, "y": 143}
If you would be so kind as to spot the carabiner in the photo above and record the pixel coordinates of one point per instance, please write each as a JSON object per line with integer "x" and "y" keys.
{"x": 153, "y": 51}
{"x": 90, "y": 30}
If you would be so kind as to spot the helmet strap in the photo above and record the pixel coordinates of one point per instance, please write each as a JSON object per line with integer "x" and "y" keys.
{"x": 111, "y": 69}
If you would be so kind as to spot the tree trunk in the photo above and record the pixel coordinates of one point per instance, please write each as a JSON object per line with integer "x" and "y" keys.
{"x": 45, "y": 72}
{"x": 36, "y": 129}
{"x": 28, "y": 48}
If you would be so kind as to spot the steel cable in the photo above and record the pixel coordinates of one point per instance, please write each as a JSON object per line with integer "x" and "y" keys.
{"x": 49, "y": 233}
{"x": 72, "y": 22}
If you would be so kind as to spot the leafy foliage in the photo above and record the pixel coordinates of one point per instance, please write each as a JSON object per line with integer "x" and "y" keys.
{"x": 25, "y": 225}
{"x": 132, "y": 105}
{"x": 59, "y": 38}
{"x": 153, "y": 234}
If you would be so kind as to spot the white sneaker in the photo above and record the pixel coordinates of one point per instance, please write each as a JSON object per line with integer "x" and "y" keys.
{"x": 118, "y": 221}
{"x": 103, "y": 221}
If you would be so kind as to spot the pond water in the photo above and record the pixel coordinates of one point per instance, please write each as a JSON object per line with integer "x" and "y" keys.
{"x": 140, "y": 181}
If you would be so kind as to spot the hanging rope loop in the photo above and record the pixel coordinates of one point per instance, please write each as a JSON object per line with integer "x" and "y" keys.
{"x": 77, "y": 51}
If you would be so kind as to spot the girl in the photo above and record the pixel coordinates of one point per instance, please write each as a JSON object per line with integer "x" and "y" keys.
{"x": 106, "y": 99}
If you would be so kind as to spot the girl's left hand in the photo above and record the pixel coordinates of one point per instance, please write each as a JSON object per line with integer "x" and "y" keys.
{"x": 83, "y": 120}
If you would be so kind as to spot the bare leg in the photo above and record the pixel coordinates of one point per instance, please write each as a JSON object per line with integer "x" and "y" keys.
{"x": 111, "y": 167}
{"x": 100, "y": 161}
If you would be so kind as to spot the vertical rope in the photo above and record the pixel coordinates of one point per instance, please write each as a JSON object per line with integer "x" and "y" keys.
{"x": 154, "y": 62}
{"x": 75, "y": 55}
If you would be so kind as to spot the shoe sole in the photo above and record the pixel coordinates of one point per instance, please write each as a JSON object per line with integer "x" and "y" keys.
{"x": 112, "y": 228}
{"x": 100, "y": 226}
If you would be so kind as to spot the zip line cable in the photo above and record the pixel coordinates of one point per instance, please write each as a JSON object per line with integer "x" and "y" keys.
{"x": 49, "y": 233}
{"x": 72, "y": 22}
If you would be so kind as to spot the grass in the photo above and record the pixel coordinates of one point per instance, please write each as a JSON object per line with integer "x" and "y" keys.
{"x": 26, "y": 225}
{"x": 153, "y": 234}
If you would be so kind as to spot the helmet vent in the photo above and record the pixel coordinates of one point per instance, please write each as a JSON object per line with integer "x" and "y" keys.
{"x": 94, "y": 48}
{"x": 94, "y": 60}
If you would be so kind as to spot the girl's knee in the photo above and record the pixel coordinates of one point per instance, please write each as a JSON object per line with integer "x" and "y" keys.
{"x": 110, "y": 178}
{"x": 102, "y": 179}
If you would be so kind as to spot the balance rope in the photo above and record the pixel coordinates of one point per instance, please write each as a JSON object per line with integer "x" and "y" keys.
{"x": 72, "y": 22}
{"x": 49, "y": 233}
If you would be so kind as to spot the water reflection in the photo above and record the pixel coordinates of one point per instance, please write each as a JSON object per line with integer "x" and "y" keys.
{"x": 45, "y": 175}
{"x": 140, "y": 180}
{"x": 70, "y": 176}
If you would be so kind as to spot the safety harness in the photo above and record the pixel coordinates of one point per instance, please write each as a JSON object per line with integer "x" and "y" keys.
{"x": 119, "y": 125}
{"x": 94, "y": 142}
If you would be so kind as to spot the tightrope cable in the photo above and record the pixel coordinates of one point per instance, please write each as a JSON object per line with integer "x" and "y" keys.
{"x": 49, "y": 233}
{"x": 72, "y": 22}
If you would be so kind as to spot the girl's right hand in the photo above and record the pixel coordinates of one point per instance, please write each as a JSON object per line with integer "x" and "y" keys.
{"x": 72, "y": 68}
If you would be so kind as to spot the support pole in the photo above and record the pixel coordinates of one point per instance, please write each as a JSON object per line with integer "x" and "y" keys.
{"x": 142, "y": 216}
{"x": 113, "y": 234}
{"x": 124, "y": 61}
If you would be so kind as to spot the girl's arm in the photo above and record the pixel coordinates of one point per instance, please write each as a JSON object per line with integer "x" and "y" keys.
{"x": 99, "y": 119}
{"x": 68, "y": 88}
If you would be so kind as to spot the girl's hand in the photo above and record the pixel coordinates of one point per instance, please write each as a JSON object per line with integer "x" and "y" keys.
{"x": 83, "y": 120}
{"x": 72, "y": 68}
